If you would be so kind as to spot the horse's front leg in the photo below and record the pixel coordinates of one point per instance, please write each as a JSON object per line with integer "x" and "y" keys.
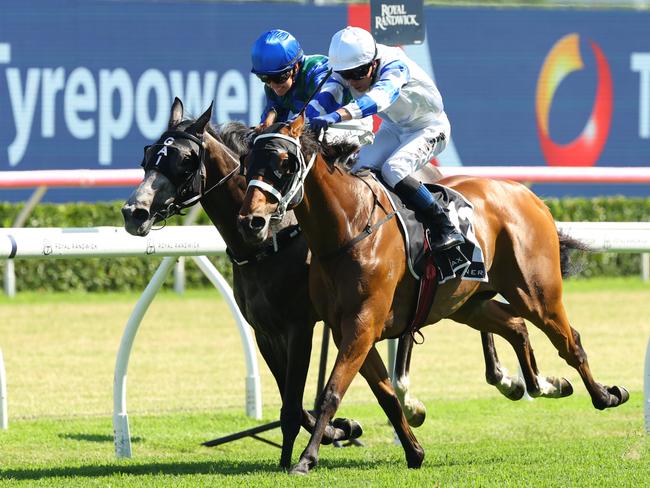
{"x": 291, "y": 414}
{"x": 354, "y": 339}
{"x": 414, "y": 409}
{"x": 374, "y": 371}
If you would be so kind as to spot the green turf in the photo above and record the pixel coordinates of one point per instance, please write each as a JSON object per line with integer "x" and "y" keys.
{"x": 473, "y": 442}
{"x": 185, "y": 385}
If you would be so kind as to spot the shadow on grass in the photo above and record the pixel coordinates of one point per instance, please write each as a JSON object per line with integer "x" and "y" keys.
{"x": 217, "y": 467}
{"x": 180, "y": 468}
{"x": 94, "y": 437}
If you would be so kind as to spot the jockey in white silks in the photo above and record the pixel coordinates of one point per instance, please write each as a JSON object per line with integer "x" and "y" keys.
{"x": 382, "y": 80}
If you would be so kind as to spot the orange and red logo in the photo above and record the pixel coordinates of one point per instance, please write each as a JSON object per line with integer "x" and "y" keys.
{"x": 563, "y": 59}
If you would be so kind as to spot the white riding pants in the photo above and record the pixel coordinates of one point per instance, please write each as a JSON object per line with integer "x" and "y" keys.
{"x": 399, "y": 152}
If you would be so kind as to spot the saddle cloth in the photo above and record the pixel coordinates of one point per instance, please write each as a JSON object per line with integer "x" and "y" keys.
{"x": 464, "y": 261}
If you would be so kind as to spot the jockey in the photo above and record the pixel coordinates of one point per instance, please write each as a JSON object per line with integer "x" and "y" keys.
{"x": 290, "y": 77}
{"x": 382, "y": 80}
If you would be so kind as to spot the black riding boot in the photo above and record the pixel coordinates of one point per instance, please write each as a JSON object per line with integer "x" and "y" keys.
{"x": 443, "y": 233}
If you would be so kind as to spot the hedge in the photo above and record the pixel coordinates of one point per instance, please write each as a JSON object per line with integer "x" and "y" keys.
{"x": 92, "y": 274}
{"x": 120, "y": 274}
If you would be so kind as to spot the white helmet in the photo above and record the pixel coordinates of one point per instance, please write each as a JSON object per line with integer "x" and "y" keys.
{"x": 350, "y": 48}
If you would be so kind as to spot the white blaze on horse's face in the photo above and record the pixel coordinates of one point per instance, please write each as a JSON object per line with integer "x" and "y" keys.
{"x": 151, "y": 195}
{"x": 255, "y": 215}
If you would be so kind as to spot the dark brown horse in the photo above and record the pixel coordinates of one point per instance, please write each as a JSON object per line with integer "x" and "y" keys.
{"x": 365, "y": 293}
{"x": 277, "y": 306}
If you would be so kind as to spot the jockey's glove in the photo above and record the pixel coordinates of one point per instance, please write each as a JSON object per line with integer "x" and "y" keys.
{"x": 322, "y": 122}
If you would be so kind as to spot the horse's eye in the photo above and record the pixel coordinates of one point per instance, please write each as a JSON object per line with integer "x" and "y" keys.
{"x": 287, "y": 164}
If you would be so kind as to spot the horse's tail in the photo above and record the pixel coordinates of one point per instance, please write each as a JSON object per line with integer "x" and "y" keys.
{"x": 568, "y": 244}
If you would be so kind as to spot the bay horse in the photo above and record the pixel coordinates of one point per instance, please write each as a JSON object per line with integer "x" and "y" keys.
{"x": 174, "y": 168}
{"x": 363, "y": 291}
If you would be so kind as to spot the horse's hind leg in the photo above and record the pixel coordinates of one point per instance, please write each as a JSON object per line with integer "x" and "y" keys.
{"x": 512, "y": 387}
{"x": 490, "y": 316}
{"x": 414, "y": 409}
{"x": 498, "y": 317}
{"x": 542, "y": 305}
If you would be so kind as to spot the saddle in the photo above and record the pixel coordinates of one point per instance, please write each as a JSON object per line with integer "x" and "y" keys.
{"x": 430, "y": 269}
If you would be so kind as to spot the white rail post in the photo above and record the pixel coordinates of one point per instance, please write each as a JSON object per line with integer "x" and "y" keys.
{"x": 645, "y": 266}
{"x": 4, "y": 416}
{"x": 646, "y": 389}
{"x": 179, "y": 269}
{"x": 30, "y": 205}
{"x": 121, "y": 432}
{"x": 253, "y": 391}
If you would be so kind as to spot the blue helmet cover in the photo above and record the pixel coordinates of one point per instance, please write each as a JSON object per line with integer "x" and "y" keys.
{"x": 274, "y": 52}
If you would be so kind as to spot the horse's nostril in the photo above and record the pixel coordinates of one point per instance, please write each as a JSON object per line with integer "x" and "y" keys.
{"x": 140, "y": 214}
{"x": 258, "y": 223}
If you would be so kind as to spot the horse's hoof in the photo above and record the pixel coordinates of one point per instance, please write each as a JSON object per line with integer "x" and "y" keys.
{"x": 562, "y": 387}
{"x": 300, "y": 469}
{"x": 417, "y": 419}
{"x": 415, "y": 413}
{"x": 566, "y": 388}
{"x": 514, "y": 391}
{"x": 351, "y": 428}
{"x": 416, "y": 461}
{"x": 619, "y": 392}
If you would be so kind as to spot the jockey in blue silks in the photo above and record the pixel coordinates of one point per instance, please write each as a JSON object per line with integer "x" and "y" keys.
{"x": 290, "y": 77}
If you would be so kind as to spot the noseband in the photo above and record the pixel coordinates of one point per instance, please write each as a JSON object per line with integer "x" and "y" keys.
{"x": 297, "y": 182}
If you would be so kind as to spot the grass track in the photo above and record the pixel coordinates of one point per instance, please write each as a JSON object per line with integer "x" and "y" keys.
{"x": 186, "y": 385}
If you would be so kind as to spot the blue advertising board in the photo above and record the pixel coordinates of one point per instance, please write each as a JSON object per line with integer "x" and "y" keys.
{"x": 85, "y": 84}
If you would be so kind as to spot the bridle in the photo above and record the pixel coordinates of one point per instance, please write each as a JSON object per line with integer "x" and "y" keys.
{"x": 190, "y": 185}
{"x": 295, "y": 191}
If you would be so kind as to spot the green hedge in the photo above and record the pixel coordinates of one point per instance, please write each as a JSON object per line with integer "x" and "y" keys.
{"x": 120, "y": 274}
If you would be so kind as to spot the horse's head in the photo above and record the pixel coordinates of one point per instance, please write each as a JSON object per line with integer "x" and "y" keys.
{"x": 174, "y": 173}
{"x": 276, "y": 172}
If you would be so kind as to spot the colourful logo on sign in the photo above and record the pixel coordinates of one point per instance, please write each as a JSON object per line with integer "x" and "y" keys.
{"x": 563, "y": 59}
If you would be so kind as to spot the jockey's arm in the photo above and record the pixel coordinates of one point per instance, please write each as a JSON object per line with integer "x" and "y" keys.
{"x": 382, "y": 93}
{"x": 267, "y": 121}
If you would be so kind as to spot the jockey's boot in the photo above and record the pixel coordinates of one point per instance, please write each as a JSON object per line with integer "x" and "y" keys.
{"x": 444, "y": 234}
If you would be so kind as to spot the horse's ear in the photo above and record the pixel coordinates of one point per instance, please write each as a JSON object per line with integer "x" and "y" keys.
{"x": 297, "y": 126}
{"x": 198, "y": 127}
{"x": 176, "y": 115}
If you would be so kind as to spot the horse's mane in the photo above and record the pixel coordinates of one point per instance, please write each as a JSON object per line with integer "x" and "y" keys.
{"x": 235, "y": 136}
{"x": 238, "y": 137}
{"x": 335, "y": 152}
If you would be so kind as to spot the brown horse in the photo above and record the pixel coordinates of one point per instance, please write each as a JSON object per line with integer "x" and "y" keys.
{"x": 277, "y": 306}
{"x": 364, "y": 292}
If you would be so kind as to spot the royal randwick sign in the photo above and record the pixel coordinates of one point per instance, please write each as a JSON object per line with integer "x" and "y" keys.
{"x": 397, "y": 22}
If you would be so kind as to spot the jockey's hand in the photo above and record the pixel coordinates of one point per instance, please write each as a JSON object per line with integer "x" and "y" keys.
{"x": 322, "y": 122}
{"x": 261, "y": 127}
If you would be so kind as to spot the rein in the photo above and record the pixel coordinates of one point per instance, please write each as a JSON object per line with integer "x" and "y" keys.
{"x": 367, "y": 230}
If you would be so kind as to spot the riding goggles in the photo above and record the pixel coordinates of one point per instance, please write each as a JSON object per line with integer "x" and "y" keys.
{"x": 358, "y": 73}
{"x": 276, "y": 78}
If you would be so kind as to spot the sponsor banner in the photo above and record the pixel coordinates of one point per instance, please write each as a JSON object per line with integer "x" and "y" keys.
{"x": 88, "y": 84}
{"x": 397, "y": 22}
